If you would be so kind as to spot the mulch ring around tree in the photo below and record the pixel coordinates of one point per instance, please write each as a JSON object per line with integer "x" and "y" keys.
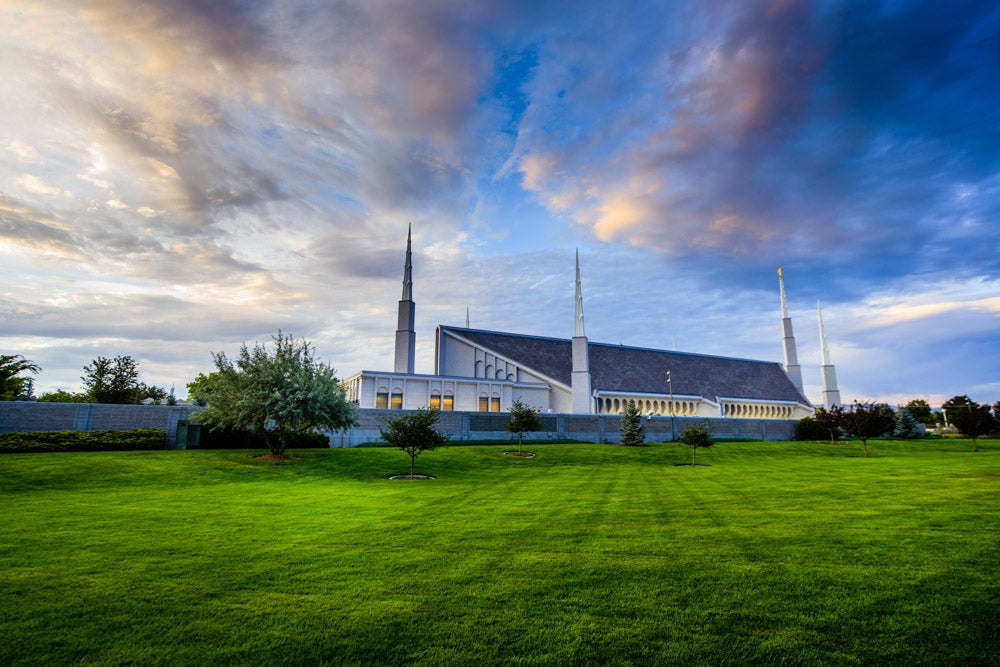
{"x": 411, "y": 477}
{"x": 696, "y": 465}
{"x": 523, "y": 455}
{"x": 276, "y": 457}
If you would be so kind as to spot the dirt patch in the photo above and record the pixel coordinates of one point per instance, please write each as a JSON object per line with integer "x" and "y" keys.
{"x": 411, "y": 477}
{"x": 279, "y": 457}
{"x": 523, "y": 455}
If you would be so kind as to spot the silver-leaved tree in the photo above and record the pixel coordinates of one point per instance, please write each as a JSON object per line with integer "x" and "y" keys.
{"x": 276, "y": 395}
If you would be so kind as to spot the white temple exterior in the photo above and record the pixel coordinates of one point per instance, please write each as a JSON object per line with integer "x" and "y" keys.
{"x": 486, "y": 371}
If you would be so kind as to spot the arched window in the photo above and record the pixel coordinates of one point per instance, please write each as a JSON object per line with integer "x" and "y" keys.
{"x": 449, "y": 401}
{"x": 396, "y": 399}
{"x": 435, "y": 400}
{"x": 382, "y": 398}
{"x": 479, "y": 369}
{"x": 484, "y": 403}
{"x": 495, "y": 403}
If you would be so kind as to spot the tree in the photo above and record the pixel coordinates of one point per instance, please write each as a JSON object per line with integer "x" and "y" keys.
{"x": 633, "y": 430}
{"x": 62, "y": 396}
{"x": 906, "y": 426}
{"x": 972, "y": 421}
{"x": 112, "y": 380}
{"x": 920, "y": 410}
{"x": 697, "y": 436}
{"x": 522, "y": 420}
{"x": 830, "y": 420}
{"x": 12, "y": 384}
{"x": 144, "y": 391}
{"x": 276, "y": 395}
{"x": 867, "y": 420}
{"x": 200, "y": 388}
{"x": 414, "y": 433}
{"x": 953, "y": 404}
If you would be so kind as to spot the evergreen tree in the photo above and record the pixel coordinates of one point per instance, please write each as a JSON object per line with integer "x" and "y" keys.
{"x": 522, "y": 420}
{"x": 906, "y": 426}
{"x": 633, "y": 430}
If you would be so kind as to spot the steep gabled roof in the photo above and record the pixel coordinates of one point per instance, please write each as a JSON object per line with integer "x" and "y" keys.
{"x": 642, "y": 370}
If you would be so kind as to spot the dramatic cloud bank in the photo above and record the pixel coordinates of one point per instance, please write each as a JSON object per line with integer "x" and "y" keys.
{"x": 179, "y": 176}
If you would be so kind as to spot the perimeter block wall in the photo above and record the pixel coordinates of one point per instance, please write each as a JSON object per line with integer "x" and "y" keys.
{"x": 460, "y": 426}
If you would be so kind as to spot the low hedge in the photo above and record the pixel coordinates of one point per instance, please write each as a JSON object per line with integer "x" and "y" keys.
{"x": 226, "y": 438}
{"x": 83, "y": 441}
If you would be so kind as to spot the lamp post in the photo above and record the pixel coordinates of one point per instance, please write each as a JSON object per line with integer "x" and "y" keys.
{"x": 673, "y": 428}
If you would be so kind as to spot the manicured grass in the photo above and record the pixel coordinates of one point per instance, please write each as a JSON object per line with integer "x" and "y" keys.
{"x": 799, "y": 553}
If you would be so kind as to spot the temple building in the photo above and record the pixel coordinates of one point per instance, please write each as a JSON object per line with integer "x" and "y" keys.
{"x": 486, "y": 371}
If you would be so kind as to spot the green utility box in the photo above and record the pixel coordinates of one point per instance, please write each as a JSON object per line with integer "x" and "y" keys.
{"x": 188, "y": 435}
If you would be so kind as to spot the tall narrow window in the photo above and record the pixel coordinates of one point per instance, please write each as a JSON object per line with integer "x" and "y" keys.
{"x": 449, "y": 402}
{"x": 382, "y": 399}
{"x": 435, "y": 401}
{"x": 484, "y": 403}
{"x": 495, "y": 403}
{"x": 397, "y": 400}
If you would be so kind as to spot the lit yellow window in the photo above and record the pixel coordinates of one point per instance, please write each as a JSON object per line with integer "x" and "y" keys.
{"x": 382, "y": 400}
{"x": 449, "y": 402}
{"x": 397, "y": 401}
{"x": 435, "y": 402}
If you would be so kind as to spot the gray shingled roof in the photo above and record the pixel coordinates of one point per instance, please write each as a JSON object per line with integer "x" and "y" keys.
{"x": 641, "y": 370}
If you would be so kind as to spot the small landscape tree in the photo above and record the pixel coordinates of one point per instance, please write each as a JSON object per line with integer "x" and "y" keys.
{"x": 523, "y": 419}
{"x": 698, "y": 436}
{"x": 276, "y": 395}
{"x": 633, "y": 430}
{"x": 414, "y": 433}
{"x": 972, "y": 421}
{"x": 906, "y": 426}
{"x": 867, "y": 420}
{"x": 830, "y": 420}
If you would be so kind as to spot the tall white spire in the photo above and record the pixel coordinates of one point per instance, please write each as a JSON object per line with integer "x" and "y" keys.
{"x": 831, "y": 395}
{"x": 582, "y": 400}
{"x": 792, "y": 368}
{"x": 408, "y": 267}
{"x": 578, "y": 331}
{"x": 406, "y": 337}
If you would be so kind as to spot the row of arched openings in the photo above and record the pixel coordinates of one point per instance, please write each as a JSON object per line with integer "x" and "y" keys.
{"x": 678, "y": 408}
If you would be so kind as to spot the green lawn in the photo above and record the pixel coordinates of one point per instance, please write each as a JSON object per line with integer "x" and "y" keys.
{"x": 798, "y": 553}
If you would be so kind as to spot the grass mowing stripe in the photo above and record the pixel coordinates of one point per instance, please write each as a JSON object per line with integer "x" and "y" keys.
{"x": 774, "y": 552}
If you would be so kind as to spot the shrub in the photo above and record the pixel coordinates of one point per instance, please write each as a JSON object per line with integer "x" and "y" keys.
{"x": 83, "y": 441}
{"x": 807, "y": 429}
{"x": 229, "y": 438}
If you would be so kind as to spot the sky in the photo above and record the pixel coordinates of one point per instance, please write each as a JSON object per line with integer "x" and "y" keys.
{"x": 178, "y": 177}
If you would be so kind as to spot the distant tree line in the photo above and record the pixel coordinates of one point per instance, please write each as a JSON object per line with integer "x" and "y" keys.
{"x": 105, "y": 380}
{"x": 871, "y": 420}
